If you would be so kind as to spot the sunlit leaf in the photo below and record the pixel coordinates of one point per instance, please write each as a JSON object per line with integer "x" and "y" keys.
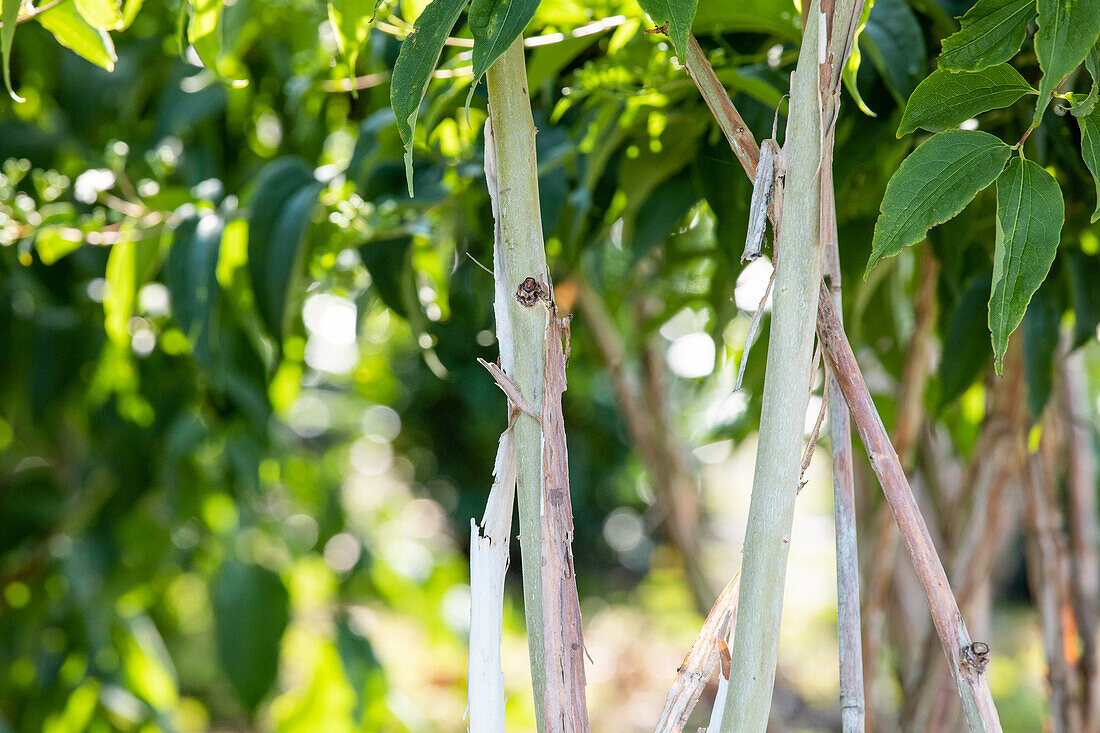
{"x": 992, "y": 32}
{"x": 759, "y": 16}
{"x": 850, "y": 75}
{"x": 350, "y": 21}
{"x": 413, "y": 70}
{"x": 190, "y": 272}
{"x": 147, "y": 666}
{"x": 76, "y": 34}
{"x": 1030, "y": 212}
{"x": 9, "y": 15}
{"x": 1067, "y": 31}
{"x": 677, "y": 15}
{"x": 204, "y": 33}
{"x": 102, "y": 14}
{"x": 946, "y": 99}
{"x": 933, "y": 184}
{"x": 250, "y": 613}
{"x": 53, "y": 243}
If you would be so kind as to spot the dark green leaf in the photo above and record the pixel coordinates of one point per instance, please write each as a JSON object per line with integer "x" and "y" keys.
{"x": 74, "y": 33}
{"x": 9, "y": 15}
{"x": 992, "y": 32}
{"x": 191, "y": 276}
{"x": 947, "y": 98}
{"x": 280, "y": 210}
{"x": 964, "y": 354}
{"x": 1084, "y": 107}
{"x": 1030, "y": 212}
{"x": 1090, "y": 151}
{"x": 894, "y": 42}
{"x": 361, "y": 667}
{"x": 678, "y": 15}
{"x": 669, "y": 203}
{"x": 1067, "y": 31}
{"x": 1084, "y": 274}
{"x": 419, "y": 54}
{"x": 933, "y": 184}
{"x": 250, "y": 613}
{"x": 495, "y": 24}
{"x": 1040, "y": 332}
{"x": 759, "y": 16}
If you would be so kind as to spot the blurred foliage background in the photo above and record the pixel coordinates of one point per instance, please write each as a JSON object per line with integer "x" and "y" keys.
{"x": 243, "y": 429}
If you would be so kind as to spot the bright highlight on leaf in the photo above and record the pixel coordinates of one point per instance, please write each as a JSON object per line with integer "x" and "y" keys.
{"x": 76, "y": 34}
{"x": 204, "y": 33}
{"x": 350, "y": 21}
{"x": 992, "y": 32}
{"x": 934, "y": 183}
{"x": 419, "y": 55}
{"x": 1030, "y": 212}
{"x": 1067, "y": 32}
{"x": 946, "y": 99}
{"x": 102, "y": 14}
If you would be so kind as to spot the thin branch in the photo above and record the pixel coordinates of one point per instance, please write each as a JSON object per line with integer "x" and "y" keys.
{"x": 967, "y": 659}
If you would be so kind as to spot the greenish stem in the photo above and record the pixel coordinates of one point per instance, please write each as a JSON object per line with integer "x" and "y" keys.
{"x": 523, "y": 256}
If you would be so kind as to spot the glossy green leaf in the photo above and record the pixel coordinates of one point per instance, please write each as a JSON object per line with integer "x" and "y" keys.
{"x": 678, "y": 15}
{"x": 946, "y": 99}
{"x": 204, "y": 33}
{"x": 413, "y": 70}
{"x": 894, "y": 42}
{"x": 1041, "y": 332}
{"x": 992, "y": 32}
{"x": 1030, "y": 212}
{"x": 350, "y": 21}
{"x": 102, "y": 14}
{"x": 1090, "y": 151}
{"x": 933, "y": 184}
{"x": 280, "y": 211}
{"x": 9, "y": 15}
{"x": 75, "y": 34}
{"x": 495, "y": 24}
{"x": 251, "y": 610}
{"x": 964, "y": 352}
{"x": 1068, "y": 30}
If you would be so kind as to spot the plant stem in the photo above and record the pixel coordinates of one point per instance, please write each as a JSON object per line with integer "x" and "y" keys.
{"x": 967, "y": 660}
{"x": 520, "y": 330}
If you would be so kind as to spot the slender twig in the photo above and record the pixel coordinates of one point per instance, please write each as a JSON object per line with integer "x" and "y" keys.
{"x": 967, "y": 659}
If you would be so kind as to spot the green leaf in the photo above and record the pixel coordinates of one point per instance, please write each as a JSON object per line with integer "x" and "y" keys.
{"x": 495, "y": 24}
{"x": 946, "y": 98}
{"x": 895, "y": 44}
{"x": 747, "y": 16}
{"x": 1084, "y": 274}
{"x": 1090, "y": 151}
{"x": 191, "y": 277}
{"x": 413, "y": 70}
{"x": 678, "y": 14}
{"x": 933, "y": 184}
{"x": 964, "y": 353}
{"x": 992, "y": 32}
{"x": 51, "y": 244}
{"x": 204, "y": 33}
{"x": 851, "y": 68}
{"x": 350, "y": 21}
{"x": 1086, "y": 105}
{"x": 1030, "y": 212}
{"x": 250, "y": 614}
{"x": 102, "y": 14}
{"x": 1041, "y": 335}
{"x": 280, "y": 211}
{"x": 9, "y": 15}
{"x": 75, "y": 34}
{"x": 1067, "y": 31}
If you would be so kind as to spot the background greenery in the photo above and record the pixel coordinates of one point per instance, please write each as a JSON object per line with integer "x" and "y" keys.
{"x": 242, "y": 425}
